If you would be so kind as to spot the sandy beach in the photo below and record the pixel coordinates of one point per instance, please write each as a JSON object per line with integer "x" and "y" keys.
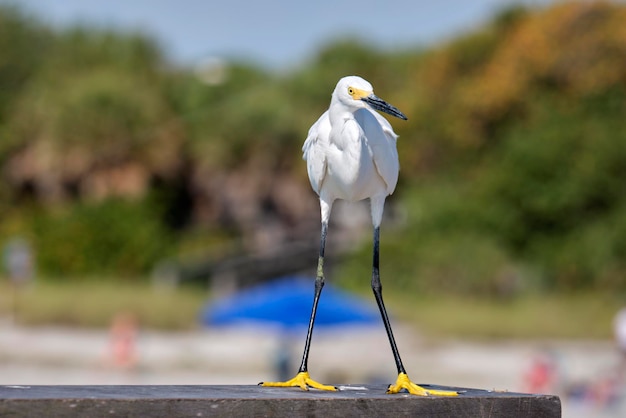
{"x": 247, "y": 355}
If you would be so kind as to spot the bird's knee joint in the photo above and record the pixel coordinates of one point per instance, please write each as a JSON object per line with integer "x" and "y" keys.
{"x": 319, "y": 281}
{"x": 376, "y": 285}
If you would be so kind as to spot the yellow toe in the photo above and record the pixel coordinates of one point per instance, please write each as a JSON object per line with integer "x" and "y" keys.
{"x": 404, "y": 382}
{"x": 302, "y": 380}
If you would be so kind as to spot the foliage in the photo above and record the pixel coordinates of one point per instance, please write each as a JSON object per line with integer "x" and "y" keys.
{"x": 557, "y": 183}
{"x": 20, "y": 36}
{"x": 512, "y": 158}
{"x": 114, "y": 237}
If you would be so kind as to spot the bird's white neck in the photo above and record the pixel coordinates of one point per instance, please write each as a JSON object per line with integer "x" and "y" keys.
{"x": 338, "y": 113}
{"x": 338, "y": 135}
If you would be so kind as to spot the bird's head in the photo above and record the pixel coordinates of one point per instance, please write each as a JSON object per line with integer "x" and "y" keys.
{"x": 356, "y": 93}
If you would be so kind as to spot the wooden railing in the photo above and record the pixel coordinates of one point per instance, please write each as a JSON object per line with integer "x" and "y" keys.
{"x": 255, "y": 401}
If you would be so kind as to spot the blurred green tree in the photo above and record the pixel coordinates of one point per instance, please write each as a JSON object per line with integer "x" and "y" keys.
{"x": 512, "y": 157}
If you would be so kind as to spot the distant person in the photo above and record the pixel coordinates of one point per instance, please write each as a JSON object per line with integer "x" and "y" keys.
{"x": 123, "y": 341}
{"x": 282, "y": 360}
{"x": 542, "y": 375}
{"x": 619, "y": 330}
{"x": 18, "y": 261}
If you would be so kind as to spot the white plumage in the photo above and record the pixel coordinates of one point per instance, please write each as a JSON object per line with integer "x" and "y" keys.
{"x": 351, "y": 150}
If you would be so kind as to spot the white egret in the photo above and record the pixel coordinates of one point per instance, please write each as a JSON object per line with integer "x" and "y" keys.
{"x": 351, "y": 154}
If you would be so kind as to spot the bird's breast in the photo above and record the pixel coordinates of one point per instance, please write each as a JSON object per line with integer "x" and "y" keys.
{"x": 351, "y": 173}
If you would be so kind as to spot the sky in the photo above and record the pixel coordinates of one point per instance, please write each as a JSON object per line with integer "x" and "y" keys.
{"x": 277, "y": 34}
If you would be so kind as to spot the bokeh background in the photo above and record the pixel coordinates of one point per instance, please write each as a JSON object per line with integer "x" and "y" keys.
{"x": 150, "y": 162}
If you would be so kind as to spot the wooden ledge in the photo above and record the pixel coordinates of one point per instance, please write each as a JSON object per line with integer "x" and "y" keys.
{"x": 233, "y": 401}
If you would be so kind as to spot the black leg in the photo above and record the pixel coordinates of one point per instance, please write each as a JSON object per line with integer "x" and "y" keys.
{"x": 403, "y": 382}
{"x": 378, "y": 294}
{"x": 319, "y": 284}
{"x": 302, "y": 379}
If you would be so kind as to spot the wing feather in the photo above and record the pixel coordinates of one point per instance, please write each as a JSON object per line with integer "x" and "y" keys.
{"x": 314, "y": 151}
{"x": 381, "y": 140}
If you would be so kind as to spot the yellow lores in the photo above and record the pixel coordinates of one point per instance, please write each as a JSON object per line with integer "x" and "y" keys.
{"x": 357, "y": 94}
{"x": 351, "y": 154}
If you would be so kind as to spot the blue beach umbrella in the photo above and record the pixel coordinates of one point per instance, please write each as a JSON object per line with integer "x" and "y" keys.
{"x": 286, "y": 303}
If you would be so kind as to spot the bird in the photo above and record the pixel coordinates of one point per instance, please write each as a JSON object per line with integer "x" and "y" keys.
{"x": 351, "y": 154}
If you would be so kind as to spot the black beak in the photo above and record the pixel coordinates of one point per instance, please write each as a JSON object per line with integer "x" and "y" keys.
{"x": 379, "y": 104}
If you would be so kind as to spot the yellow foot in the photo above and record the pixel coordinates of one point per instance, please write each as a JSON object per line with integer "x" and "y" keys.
{"x": 302, "y": 380}
{"x": 404, "y": 382}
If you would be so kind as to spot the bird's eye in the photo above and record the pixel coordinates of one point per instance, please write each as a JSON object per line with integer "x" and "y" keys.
{"x": 350, "y": 91}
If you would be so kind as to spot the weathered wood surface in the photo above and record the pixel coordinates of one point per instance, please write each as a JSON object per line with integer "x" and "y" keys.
{"x": 255, "y": 401}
